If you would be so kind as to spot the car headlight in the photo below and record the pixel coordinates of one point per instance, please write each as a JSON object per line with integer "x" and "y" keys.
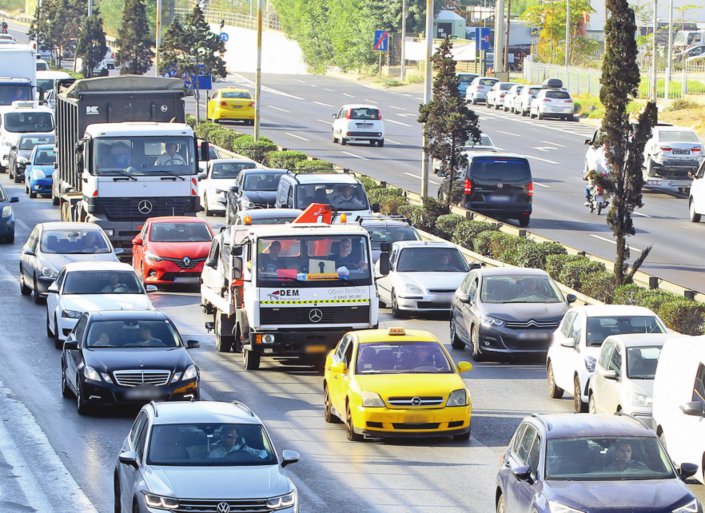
{"x": 691, "y": 507}
{"x": 283, "y": 501}
{"x": 38, "y": 174}
{"x": 91, "y": 374}
{"x": 637, "y": 399}
{"x": 488, "y": 320}
{"x": 70, "y": 314}
{"x": 151, "y": 257}
{"x": 22, "y": 160}
{"x": 557, "y": 507}
{"x": 190, "y": 373}
{"x": 106, "y": 377}
{"x": 372, "y": 400}
{"x": 6, "y": 211}
{"x": 410, "y": 288}
{"x": 590, "y": 363}
{"x": 159, "y": 502}
{"x": 458, "y": 398}
{"x": 49, "y": 272}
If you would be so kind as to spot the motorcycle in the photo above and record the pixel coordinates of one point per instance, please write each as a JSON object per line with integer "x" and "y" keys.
{"x": 599, "y": 199}
{"x": 3, "y": 27}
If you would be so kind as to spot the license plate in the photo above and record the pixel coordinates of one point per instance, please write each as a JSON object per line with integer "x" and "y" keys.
{"x": 268, "y": 350}
{"x": 501, "y": 198}
{"x": 236, "y": 106}
{"x": 414, "y": 419}
{"x": 190, "y": 280}
{"x": 316, "y": 349}
{"x": 530, "y": 335}
{"x": 363, "y": 125}
{"x": 143, "y": 393}
{"x": 676, "y": 151}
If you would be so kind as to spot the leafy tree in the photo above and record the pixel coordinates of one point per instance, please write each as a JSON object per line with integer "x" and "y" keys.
{"x": 134, "y": 40}
{"x": 448, "y": 122}
{"x": 55, "y": 23}
{"x": 624, "y": 143}
{"x": 91, "y": 47}
{"x": 39, "y": 28}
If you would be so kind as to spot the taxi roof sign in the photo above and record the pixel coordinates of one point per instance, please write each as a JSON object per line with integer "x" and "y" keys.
{"x": 396, "y": 331}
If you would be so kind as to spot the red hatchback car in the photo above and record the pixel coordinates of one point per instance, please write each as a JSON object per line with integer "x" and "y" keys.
{"x": 171, "y": 250}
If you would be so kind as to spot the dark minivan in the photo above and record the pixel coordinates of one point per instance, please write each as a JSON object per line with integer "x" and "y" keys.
{"x": 499, "y": 185}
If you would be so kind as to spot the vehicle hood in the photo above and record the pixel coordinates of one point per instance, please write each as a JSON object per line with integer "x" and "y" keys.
{"x": 525, "y": 311}
{"x": 391, "y": 385}
{"x": 628, "y": 495}
{"x": 221, "y": 184}
{"x": 99, "y": 302}
{"x": 218, "y": 482}
{"x": 440, "y": 280}
{"x": 639, "y": 386}
{"x": 24, "y": 154}
{"x": 173, "y": 359}
{"x": 57, "y": 261}
{"x": 47, "y": 170}
{"x": 180, "y": 249}
{"x": 261, "y": 197}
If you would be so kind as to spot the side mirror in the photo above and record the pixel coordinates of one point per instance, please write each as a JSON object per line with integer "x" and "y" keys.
{"x": 28, "y": 251}
{"x": 610, "y": 374}
{"x": 234, "y": 188}
{"x": 70, "y": 344}
{"x": 137, "y": 241}
{"x": 53, "y": 289}
{"x": 694, "y": 408}
{"x": 237, "y": 268}
{"x": 375, "y": 207}
{"x": 14, "y": 199}
{"x": 687, "y": 470}
{"x": 334, "y": 116}
{"x": 464, "y": 367}
{"x": 78, "y": 148}
{"x": 201, "y": 176}
{"x": 522, "y": 472}
{"x": 128, "y": 458}
{"x": 205, "y": 151}
{"x": 78, "y": 160}
{"x": 568, "y": 342}
{"x": 151, "y": 288}
{"x": 210, "y": 326}
{"x": 338, "y": 367}
{"x": 119, "y": 251}
{"x": 13, "y": 148}
{"x": 463, "y": 298}
{"x": 476, "y": 265}
{"x": 571, "y": 298}
{"x": 192, "y": 344}
{"x": 384, "y": 263}
{"x": 385, "y": 247}
{"x": 588, "y": 141}
{"x": 236, "y": 251}
{"x": 289, "y": 457}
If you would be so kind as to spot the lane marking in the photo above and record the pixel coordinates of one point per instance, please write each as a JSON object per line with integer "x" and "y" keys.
{"x": 554, "y": 143}
{"x": 313, "y": 85}
{"x": 369, "y": 101}
{"x": 542, "y": 160}
{"x": 324, "y": 121}
{"x": 330, "y": 90}
{"x": 348, "y": 95}
{"x": 544, "y": 148}
{"x": 394, "y": 107}
{"x": 406, "y": 114}
{"x": 356, "y": 156}
{"x": 278, "y": 108}
{"x": 301, "y": 81}
{"x": 640, "y": 214}
{"x": 507, "y": 133}
{"x": 390, "y": 141}
{"x": 542, "y": 185}
{"x": 397, "y": 122}
{"x": 419, "y": 178}
{"x": 613, "y": 242}
{"x": 297, "y": 137}
{"x": 323, "y": 104}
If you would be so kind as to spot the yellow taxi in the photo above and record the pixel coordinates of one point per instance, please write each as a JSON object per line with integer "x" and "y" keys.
{"x": 396, "y": 383}
{"x": 232, "y": 104}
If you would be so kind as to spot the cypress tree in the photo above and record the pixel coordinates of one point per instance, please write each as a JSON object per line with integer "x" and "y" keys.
{"x": 134, "y": 40}
{"x": 91, "y": 46}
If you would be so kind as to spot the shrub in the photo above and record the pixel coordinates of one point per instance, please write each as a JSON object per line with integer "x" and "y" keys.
{"x": 421, "y": 218}
{"x": 555, "y": 263}
{"x": 446, "y": 225}
{"x": 406, "y": 210}
{"x": 206, "y": 127}
{"x": 627, "y": 294}
{"x": 684, "y": 316}
{"x": 390, "y": 199}
{"x": 534, "y": 255}
{"x": 634, "y": 295}
{"x": 314, "y": 166}
{"x": 483, "y": 242}
{"x": 191, "y": 120}
{"x": 369, "y": 183}
{"x": 287, "y": 159}
{"x": 434, "y": 208}
{"x": 224, "y": 138}
{"x": 467, "y": 231}
{"x": 509, "y": 248}
{"x": 599, "y": 285}
{"x": 575, "y": 272}
{"x": 257, "y": 151}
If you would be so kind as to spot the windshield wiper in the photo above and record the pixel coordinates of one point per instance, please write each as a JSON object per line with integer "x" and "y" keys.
{"x": 123, "y": 173}
{"x": 163, "y": 171}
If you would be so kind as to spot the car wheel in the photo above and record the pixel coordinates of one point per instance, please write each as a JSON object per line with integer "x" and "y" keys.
{"x": 475, "y": 344}
{"x": 539, "y": 115}
{"x": 554, "y": 391}
{"x": 65, "y": 390}
{"x": 343, "y": 141}
{"x": 396, "y": 312}
{"x": 500, "y": 504}
{"x": 24, "y": 289}
{"x": 523, "y": 113}
{"x": 57, "y": 341}
{"x": 9, "y": 173}
{"x": 206, "y": 210}
{"x": 487, "y": 104}
{"x": 31, "y": 193}
{"x": 352, "y": 436}
{"x": 116, "y": 493}
{"x": 474, "y": 101}
{"x": 694, "y": 216}
{"x": 250, "y": 360}
{"x": 81, "y": 405}
{"x": 380, "y": 143}
{"x": 335, "y": 139}
{"x": 49, "y": 333}
{"x": 35, "y": 293}
{"x": 592, "y": 407}
{"x": 455, "y": 341}
{"x": 524, "y": 220}
{"x": 578, "y": 405}
{"x": 223, "y": 344}
{"x": 328, "y": 414}
{"x": 17, "y": 179}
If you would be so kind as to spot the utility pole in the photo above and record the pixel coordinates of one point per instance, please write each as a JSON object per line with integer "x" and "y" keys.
{"x": 654, "y": 56}
{"x": 425, "y": 160}
{"x": 505, "y": 56}
{"x": 157, "y": 26}
{"x": 669, "y": 51}
{"x": 258, "y": 76}
{"x": 567, "y": 44}
{"x": 402, "y": 69}
{"x": 498, "y": 37}
{"x": 90, "y": 7}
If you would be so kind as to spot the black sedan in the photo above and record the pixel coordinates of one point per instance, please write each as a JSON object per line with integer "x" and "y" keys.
{"x": 506, "y": 310}
{"x": 18, "y": 158}
{"x": 255, "y": 188}
{"x": 127, "y": 357}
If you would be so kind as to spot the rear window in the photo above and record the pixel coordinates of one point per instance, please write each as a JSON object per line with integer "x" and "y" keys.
{"x": 559, "y": 95}
{"x": 534, "y": 90}
{"x": 364, "y": 113}
{"x": 467, "y": 78}
{"x": 235, "y": 94}
{"x": 678, "y": 136}
{"x": 504, "y": 169}
{"x": 487, "y": 81}
{"x": 505, "y": 86}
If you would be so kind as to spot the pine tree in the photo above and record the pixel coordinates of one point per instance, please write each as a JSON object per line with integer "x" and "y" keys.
{"x": 624, "y": 142}
{"x": 64, "y": 24}
{"x": 134, "y": 40}
{"x": 91, "y": 46}
{"x": 448, "y": 122}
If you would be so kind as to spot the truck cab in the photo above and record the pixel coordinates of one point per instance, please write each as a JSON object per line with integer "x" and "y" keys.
{"x": 19, "y": 118}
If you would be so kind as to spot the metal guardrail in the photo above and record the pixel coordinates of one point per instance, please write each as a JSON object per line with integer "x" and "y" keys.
{"x": 269, "y": 22}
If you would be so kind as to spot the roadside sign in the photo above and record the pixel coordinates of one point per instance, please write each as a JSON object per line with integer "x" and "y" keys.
{"x": 224, "y": 37}
{"x": 482, "y": 38}
{"x": 205, "y": 82}
{"x": 381, "y": 40}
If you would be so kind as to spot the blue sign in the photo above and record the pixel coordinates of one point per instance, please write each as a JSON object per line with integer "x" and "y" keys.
{"x": 205, "y": 82}
{"x": 381, "y": 40}
{"x": 224, "y": 37}
{"x": 482, "y": 38}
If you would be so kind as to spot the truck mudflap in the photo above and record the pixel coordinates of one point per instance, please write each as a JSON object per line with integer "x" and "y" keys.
{"x": 306, "y": 342}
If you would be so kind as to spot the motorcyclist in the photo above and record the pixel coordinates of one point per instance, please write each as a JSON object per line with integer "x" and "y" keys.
{"x": 4, "y": 27}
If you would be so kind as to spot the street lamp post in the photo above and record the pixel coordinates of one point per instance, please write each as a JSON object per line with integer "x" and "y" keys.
{"x": 654, "y": 56}
{"x": 157, "y": 26}
{"x": 425, "y": 160}
{"x": 402, "y": 69}
{"x": 258, "y": 75}
{"x": 669, "y": 51}
{"x": 567, "y": 44}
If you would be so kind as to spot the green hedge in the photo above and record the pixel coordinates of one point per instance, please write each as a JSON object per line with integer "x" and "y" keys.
{"x": 370, "y": 183}
{"x": 314, "y": 166}
{"x": 257, "y": 151}
{"x": 390, "y": 199}
{"x": 576, "y": 271}
{"x": 599, "y": 285}
{"x": 447, "y": 224}
{"x": 684, "y": 316}
{"x": 224, "y": 138}
{"x": 287, "y": 159}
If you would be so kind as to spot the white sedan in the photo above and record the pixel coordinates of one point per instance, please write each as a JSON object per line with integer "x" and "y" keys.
{"x": 92, "y": 286}
{"x": 423, "y": 277}
{"x": 216, "y": 180}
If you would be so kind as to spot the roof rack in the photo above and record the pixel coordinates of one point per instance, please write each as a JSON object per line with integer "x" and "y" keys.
{"x": 243, "y": 406}
{"x": 386, "y": 217}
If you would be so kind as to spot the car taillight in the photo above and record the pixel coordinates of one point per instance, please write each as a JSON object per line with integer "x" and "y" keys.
{"x": 666, "y": 148}
{"x": 223, "y": 104}
{"x": 569, "y": 101}
{"x": 599, "y": 190}
{"x": 468, "y": 186}
{"x": 696, "y": 149}
{"x": 547, "y": 100}
{"x": 251, "y": 104}
{"x": 348, "y": 115}
{"x": 379, "y": 115}
{"x": 530, "y": 189}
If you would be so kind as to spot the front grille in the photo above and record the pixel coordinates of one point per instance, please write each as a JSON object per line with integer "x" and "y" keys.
{"x": 328, "y": 315}
{"x": 415, "y": 401}
{"x": 143, "y": 208}
{"x": 425, "y": 425}
{"x": 192, "y": 262}
{"x": 133, "y": 378}
{"x": 442, "y": 291}
{"x": 211, "y": 505}
{"x": 532, "y": 324}
{"x": 433, "y": 304}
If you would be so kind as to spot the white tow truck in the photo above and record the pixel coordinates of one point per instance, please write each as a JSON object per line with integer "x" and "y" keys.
{"x": 278, "y": 290}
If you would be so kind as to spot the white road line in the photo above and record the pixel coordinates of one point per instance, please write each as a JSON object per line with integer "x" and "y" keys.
{"x": 641, "y": 215}
{"x": 507, "y": 133}
{"x": 297, "y": 137}
{"x": 544, "y": 148}
{"x": 542, "y": 184}
{"x": 323, "y": 104}
{"x": 348, "y": 95}
{"x": 397, "y": 122}
{"x": 330, "y": 90}
{"x": 542, "y": 160}
{"x": 406, "y": 114}
{"x": 324, "y": 121}
{"x": 389, "y": 141}
{"x": 278, "y": 108}
{"x": 356, "y": 156}
{"x": 299, "y": 80}
{"x": 369, "y": 101}
{"x": 612, "y": 242}
{"x": 554, "y": 144}
{"x": 397, "y": 108}
{"x": 313, "y": 85}
{"x": 419, "y": 99}
{"x": 419, "y": 178}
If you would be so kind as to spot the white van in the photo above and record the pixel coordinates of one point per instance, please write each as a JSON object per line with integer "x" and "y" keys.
{"x": 19, "y": 118}
{"x": 679, "y": 400}
{"x": 46, "y": 80}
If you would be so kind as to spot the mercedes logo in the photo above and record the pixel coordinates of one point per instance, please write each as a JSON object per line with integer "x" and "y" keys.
{"x": 223, "y": 507}
{"x": 500, "y": 185}
{"x": 415, "y": 401}
{"x": 315, "y": 315}
{"x": 186, "y": 261}
{"x": 144, "y": 207}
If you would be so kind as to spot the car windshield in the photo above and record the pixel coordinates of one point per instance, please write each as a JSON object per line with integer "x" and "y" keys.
{"x": 341, "y": 196}
{"x": 180, "y": 232}
{"x": 607, "y": 459}
{"x": 519, "y": 289}
{"x": 534, "y": 91}
{"x": 429, "y": 259}
{"x": 68, "y": 242}
{"x": 501, "y": 169}
{"x": 261, "y": 182}
{"x": 11, "y": 93}
{"x": 210, "y": 445}
{"x": 642, "y": 361}
{"x": 45, "y": 84}
{"x": 402, "y": 358}
{"x": 27, "y": 142}
{"x": 20, "y": 122}
{"x": 45, "y": 157}
{"x": 235, "y": 94}
{"x": 230, "y": 170}
{"x": 599, "y": 328}
{"x": 484, "y": 141}
{"x": 143, "y": 156}
{"x": 125, "y": 334}
{"x": 487, "y": 81}
{"x": 505, "y": 86}
{"x": 380, "y": 234}
{"x": 364, "y": 113}
{"x": 678, "y": 136}
{"x": 310, "y": 260}
{"x": 557, "y": 95}
{"x": 102, "y": 282}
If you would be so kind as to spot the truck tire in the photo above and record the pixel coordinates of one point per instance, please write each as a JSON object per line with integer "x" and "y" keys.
{"x": 250, "y": 360}
{"x": 223, "y": 343}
